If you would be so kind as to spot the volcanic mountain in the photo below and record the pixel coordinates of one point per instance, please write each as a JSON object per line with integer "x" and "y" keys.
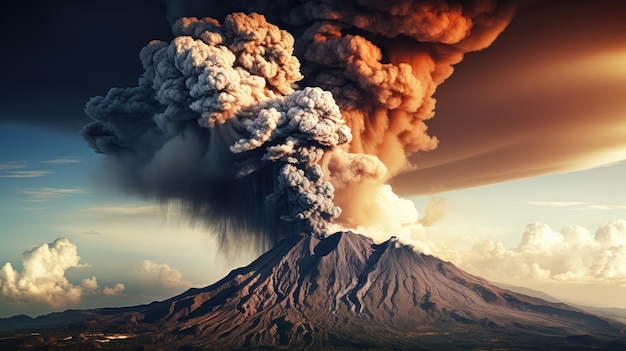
{"x": 344, "y": 292}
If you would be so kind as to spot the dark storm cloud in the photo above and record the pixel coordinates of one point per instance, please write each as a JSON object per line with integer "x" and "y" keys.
{"x": 57, "y": 54}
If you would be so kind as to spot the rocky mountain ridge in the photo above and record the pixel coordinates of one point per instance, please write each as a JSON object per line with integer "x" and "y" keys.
{"x": 347, "y": 292}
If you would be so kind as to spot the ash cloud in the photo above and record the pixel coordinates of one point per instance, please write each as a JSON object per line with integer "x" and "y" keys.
{"x": 263, "y": 133}
{"x": 522, "y": 108}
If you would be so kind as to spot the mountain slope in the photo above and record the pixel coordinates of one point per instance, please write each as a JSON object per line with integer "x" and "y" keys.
{"x": 347, "y": 292}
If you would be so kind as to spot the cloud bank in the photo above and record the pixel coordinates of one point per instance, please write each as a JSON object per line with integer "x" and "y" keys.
{"x": 547, "y": 255}
{"x": 42, "y": 279}
{"x": 263, "y": 133}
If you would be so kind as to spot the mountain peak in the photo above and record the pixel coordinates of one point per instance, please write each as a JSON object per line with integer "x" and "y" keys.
{"x": 345, "y": 291}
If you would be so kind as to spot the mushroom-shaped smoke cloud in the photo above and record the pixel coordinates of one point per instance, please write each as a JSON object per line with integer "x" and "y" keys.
{"x": 224, "y": 121}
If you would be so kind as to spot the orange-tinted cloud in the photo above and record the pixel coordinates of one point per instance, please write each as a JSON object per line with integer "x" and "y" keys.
{"x": 548, "y": 96}
{"x": 223, "y": 120}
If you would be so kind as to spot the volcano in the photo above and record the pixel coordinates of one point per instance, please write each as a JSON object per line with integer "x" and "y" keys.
{"x": 340, "y": 292}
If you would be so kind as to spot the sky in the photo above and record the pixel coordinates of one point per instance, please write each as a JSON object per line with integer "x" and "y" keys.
{"x": 524, "y": 187}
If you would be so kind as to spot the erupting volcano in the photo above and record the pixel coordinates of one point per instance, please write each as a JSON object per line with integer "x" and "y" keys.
{"x": 276, "y": 123}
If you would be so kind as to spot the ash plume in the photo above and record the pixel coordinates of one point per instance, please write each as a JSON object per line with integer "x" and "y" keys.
{"x": 262, "y": 133}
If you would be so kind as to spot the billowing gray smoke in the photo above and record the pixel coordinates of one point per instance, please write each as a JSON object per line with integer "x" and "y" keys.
{"x": 223, "y": 120}
{"x": 217, "y": 104}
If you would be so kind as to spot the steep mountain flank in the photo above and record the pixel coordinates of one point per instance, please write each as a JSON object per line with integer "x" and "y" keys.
{"x": 346, "y": 292}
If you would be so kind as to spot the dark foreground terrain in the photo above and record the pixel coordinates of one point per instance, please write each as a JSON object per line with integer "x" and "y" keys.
{"x": 340, "y": 293}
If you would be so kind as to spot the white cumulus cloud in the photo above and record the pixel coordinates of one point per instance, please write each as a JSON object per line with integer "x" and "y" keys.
{"x": 572, "y": 254}
{"x": 90, "y": 285}
{"x": 43, "y": 280}
{"x": 116, "y": 290}
{"x": 163, "y": 274}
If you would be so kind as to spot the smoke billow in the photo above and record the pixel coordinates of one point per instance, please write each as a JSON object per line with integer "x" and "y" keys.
{"x": 435, "y": 211}
{"x": 264, "y": 133}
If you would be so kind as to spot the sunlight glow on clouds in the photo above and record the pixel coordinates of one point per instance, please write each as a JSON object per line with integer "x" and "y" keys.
{"x": 164, "y": 275}
{"x": 43, "y": 280}
{"x": 391, "y": 214}
{"x": 91, "y": 286}
{"x": 116, "y": 290}
{"x": 544, "y": 254}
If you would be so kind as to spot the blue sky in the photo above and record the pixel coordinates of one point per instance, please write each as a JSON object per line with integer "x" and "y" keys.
{"x": 50, "y": 190}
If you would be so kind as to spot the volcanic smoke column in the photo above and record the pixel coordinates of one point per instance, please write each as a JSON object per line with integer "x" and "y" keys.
{"x": 383, "y": 61}
{"x": 213, "y": 116}
{"x": 216, "y": 121}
